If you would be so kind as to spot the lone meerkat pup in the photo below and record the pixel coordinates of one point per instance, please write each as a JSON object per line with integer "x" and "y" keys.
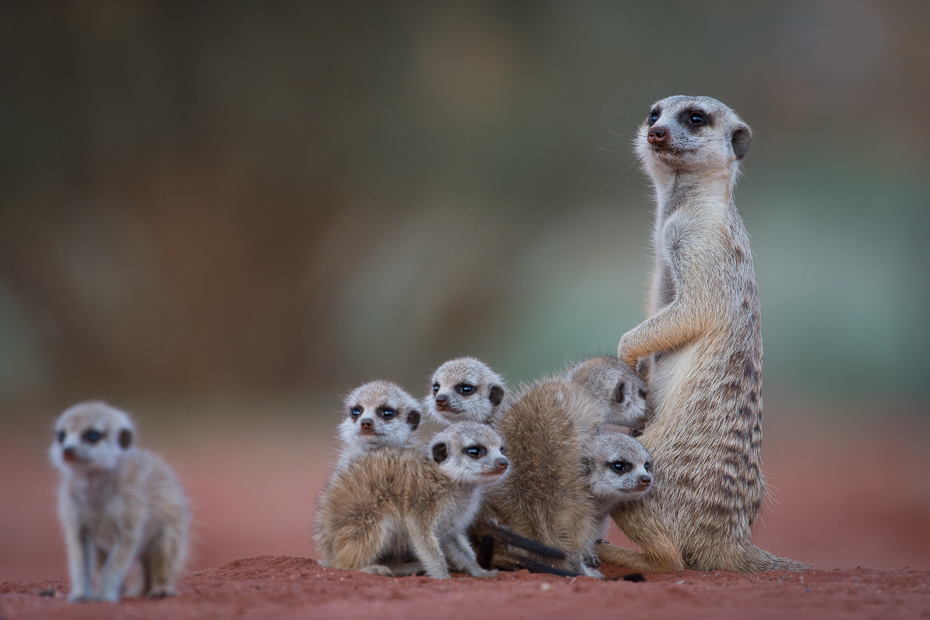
{"x": 465, "y": 390}
{"x": 393, "y": 499}
{"x": 703, "y": 345}
{"x": 546, "y": 497}
{"x": 117, "y": 503}
{"x": 377, "y": 414}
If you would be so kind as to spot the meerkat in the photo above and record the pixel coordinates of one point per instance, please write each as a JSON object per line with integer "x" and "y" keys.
{"x": 391, "y": 498}
{"x": 117, "y": 503}
{"x": 465, "y": 390}
{"x": 377, "y": 414}
{"x": 702, "y": 345}
{"x": 546, "y": 497}
{"x": 621, "y": 392}
{"x": 613, "y": 468}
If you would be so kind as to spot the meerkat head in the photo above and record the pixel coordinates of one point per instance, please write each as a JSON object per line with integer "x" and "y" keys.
{"x": 618, "y": 468}
{"x": 617, "y": 386}
{"x": 379, "y": 413}
{"x": 91, "y": 436}
{"x": 692, "y": 133}
{"x": 465, "y": 390}
{"x": 470, "y": 453}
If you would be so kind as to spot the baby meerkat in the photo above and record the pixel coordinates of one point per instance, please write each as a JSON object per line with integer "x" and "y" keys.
{"x": 465, "y": 390}
{"x": 117, "y": 503}
{"x": 393, "y": 499}
{"x": 702, "y": 345}
{"x": 377, "y": 414}
{"x": 546, "y": 497}
{"x": 621, "y": 392}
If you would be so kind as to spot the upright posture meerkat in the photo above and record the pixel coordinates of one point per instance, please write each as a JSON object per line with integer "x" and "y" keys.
{"x": 377, "y": 414}
{"x": 117, "y": 503}
{"x": 465, "y": 390}
{"x": 546, "y": 497}
{"x": 387, "y": 499}
{"x": 704, "y": 345}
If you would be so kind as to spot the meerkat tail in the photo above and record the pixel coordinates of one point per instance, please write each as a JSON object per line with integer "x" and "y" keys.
{"x": 756, "y": 560}
{"x": 501, "y": 534}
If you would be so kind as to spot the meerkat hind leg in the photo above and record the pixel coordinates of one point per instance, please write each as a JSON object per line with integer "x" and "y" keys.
{"x": 461, "y": 556}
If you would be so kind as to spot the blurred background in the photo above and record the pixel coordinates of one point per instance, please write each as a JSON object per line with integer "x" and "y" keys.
{"x": 223, "y": 216}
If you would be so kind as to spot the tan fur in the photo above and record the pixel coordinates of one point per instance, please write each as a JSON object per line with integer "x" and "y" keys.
{"x": 375, "y": 415}
{"x": 117, "y": 504}
{"x": 465, "y": 389}
{"x": 389, "y": 500}
{"x": 703, "y": 346}
{"x": 546, "y": 497}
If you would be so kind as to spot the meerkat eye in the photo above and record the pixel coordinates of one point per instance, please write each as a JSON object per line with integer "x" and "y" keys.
{"x": 697, "y": 119}
{"x": 476, "y": 452}
{"x": 388, "y": 414}
{"x": 60, "y": 436}
{"x": 355, "y": 412}
{"x": 435, "y": 388}
{"x": 653, "y": 117}
{"x": 648, "y": 466}
{"x": 465, "y": 389}
{"x": 92, "y": 436}
{"x": 503, "y": 449}
{"x": 621, "y": 466}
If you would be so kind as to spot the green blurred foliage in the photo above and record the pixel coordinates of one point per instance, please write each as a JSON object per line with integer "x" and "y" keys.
{"x": 266, "y": 199}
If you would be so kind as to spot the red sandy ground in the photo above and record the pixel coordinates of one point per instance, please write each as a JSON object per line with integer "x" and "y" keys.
{"x": 842, "y": 498}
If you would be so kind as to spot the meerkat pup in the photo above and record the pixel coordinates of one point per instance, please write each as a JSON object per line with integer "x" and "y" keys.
{"x": 377, "y": 414}
{"x": 546, "y": 497}
{"x": 703, "y": 348}
{"x": 393, "y": 499}
{"x": 465, "y": 390}
{"x": 117, "y": 503}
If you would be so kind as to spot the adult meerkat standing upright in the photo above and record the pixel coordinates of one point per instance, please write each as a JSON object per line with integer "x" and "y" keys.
{"x": 117, "y": 503}
{"x": 703, "y": 346}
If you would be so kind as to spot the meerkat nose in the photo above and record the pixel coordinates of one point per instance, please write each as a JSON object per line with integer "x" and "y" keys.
{"x": 645, "y": 480}
{"x": 442, "y": 399}
{"x": 366, "y": 424}
{"x": 657, "y": 135}
{"x": 502, "y": 464}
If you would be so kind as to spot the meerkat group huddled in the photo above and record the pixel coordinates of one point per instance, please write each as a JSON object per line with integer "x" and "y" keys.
{"x": 529, "y": 479}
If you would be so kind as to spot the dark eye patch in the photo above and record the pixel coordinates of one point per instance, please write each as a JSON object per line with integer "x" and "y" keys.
{"x": 356, "y": 411}
{"x": 653, "y": 117}
{"x": 92, "y": 436}
{"x": 435, "y": 388}
{"x": 465, "y": 389}
{"x": 387, "y": 413}
{"x": 621, "y": 467}
{"x": 476, "y": 451}
{"x": 694, "y": 119}
{"x": 60, "y": 436}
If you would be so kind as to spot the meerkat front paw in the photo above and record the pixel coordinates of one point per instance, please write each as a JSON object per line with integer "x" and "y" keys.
{"x": 624, "y": 351}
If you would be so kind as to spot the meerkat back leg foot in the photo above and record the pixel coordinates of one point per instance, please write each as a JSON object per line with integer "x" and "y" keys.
{"x": 659, "y": 559}
{"x": 161, "y": 565}
{"x": 403, "y": 569}
{"x": 377, "y": 569}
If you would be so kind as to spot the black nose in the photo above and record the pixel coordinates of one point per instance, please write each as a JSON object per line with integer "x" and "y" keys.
{"x": 69, "y": 451}
{"x": 366, "y": 424}
{"x": 657, "y": 135}
{"x": 442, "y": 399}
{"x": 502, "y": 464}
{"x": 645, "y": 480}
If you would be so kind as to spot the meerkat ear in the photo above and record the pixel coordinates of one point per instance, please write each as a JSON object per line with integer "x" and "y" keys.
{"x": 496, "y": 395}
{"x": 125, "y": 438}
{"x": 440, "y": 452}
{"x": 742, "y": 140}
{"x": 620, "y": 391}
{"x": 413, "y": 419}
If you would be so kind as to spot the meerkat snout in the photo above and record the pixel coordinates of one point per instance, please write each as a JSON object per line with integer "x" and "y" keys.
{"x": 657, "y": 135}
